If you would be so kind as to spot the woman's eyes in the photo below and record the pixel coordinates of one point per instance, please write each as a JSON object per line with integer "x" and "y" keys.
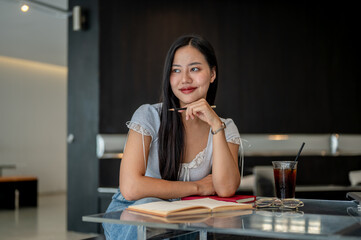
{"x": 194, "y": 69}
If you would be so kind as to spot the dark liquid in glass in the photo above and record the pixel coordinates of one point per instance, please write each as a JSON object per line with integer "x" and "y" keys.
{"x": 285, "y": 182}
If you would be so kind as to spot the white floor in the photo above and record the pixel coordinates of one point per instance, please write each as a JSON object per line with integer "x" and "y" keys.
{"x": 45, "y": 222}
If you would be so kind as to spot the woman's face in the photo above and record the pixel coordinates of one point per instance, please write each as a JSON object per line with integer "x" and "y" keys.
{"x": 190, "y": 75}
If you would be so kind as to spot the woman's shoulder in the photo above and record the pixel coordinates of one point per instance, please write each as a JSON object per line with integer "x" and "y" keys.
{"x": 146, "y": 118}
{"x": 148, "y": 110}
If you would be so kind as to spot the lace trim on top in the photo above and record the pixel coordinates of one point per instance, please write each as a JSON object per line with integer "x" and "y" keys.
{"x": 196, "y": 162}
{"x": 235, "y": 140}
{"x": 199, "y": 159}
{"x": 138, "y": 128}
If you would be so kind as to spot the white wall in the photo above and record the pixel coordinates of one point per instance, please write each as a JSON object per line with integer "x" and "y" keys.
{"x": 33, "y": 121}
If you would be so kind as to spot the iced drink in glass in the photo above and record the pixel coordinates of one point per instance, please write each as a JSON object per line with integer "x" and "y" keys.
{"x": 285, "y": 178}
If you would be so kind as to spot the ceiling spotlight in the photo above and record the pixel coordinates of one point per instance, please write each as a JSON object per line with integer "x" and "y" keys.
{"x": 24, "y": 8}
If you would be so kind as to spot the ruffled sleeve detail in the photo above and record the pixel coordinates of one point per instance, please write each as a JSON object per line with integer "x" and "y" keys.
{"x": 231, "y": 132}
{"x": 235, "y": 140}
{"x": 138, "y": 128}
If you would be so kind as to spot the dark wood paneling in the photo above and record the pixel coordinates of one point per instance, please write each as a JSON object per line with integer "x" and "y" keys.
{"x": 284, "y": 67}
{"x": 135, "y": 37}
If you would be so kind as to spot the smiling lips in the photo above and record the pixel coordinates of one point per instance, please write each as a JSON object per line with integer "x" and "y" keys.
{"x": 187, "y": 90}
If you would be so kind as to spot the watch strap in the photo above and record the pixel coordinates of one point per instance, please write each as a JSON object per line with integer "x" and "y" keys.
{"x": 223, "y": 126}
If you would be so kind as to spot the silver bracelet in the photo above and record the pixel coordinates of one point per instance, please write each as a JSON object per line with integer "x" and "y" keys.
{"x": 223, "y": 126}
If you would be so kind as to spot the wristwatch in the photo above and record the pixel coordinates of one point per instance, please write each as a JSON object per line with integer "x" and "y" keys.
{"x": 223, "y": 126}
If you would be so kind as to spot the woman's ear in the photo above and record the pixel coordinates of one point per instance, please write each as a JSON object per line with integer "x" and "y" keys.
{"x": 213, "y": 74}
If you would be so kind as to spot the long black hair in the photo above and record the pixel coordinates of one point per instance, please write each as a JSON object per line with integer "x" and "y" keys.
{"x": 171, "y": 132}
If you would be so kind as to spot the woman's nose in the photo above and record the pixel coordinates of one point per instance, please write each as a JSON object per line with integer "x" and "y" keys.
{"x": 186, "y": 78}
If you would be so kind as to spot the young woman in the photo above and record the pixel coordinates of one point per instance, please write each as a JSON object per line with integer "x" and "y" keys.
{"x": 173, "y": 154}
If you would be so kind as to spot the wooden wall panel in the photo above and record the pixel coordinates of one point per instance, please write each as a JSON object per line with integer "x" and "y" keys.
{"x": 284, "y": 67}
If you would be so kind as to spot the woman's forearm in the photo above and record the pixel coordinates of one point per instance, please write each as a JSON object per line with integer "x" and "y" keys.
{"x": 225, "y": 172}
{"x": 141, "y": 186}
{"x": 132, "y": 182}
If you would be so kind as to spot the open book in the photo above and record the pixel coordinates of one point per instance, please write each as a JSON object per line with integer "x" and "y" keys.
{"x": 192, "y": 218}
{"x": 187, "y": 207}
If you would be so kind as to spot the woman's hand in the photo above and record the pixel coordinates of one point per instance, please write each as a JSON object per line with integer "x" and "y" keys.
{"x": 205, "y": 186}
{"x": 204, "y": 112}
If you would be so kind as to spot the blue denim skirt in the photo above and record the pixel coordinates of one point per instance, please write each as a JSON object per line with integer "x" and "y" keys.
{"x": 119, "y": 231}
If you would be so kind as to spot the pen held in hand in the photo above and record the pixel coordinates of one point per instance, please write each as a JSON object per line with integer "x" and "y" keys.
{"x": 184, "y": 108}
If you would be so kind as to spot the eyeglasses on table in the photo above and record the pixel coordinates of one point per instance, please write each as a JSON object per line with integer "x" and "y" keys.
{"x": 278, "y": 203}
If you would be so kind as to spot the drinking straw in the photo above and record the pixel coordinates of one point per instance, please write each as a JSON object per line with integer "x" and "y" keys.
{"x": 299, "y": 152}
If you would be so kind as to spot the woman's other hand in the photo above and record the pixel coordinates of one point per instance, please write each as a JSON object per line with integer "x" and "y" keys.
{"x": 205, "y": 186}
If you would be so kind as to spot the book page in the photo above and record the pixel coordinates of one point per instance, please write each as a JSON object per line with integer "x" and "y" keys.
{"x": 208, "y": 202}
{"x": 234, "y": 198}
{"x": 212, "y": 204}
{"x": 164, "y": 208}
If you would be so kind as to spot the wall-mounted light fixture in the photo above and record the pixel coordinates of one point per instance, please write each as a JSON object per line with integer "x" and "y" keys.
{"x": 77, "y": 13}
{"x": 78, "y": 18}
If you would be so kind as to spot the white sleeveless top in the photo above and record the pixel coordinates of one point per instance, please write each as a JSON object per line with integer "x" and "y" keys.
{"x": 146, "y": 121}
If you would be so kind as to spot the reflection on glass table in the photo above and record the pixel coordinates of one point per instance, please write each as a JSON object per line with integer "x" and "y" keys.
{"x": 317, "y": 219}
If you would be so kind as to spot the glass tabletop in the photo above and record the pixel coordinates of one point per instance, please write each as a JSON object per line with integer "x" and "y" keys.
{"x": 318, "y": 219}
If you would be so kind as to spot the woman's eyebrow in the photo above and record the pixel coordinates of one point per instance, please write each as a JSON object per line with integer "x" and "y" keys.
{"x": 194, "y": 63}
{"x": 191, "y": 64}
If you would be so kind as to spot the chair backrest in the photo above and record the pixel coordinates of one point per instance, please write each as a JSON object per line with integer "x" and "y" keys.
{"x": 264, "y": 181}
{"x": 355, "y": 177}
